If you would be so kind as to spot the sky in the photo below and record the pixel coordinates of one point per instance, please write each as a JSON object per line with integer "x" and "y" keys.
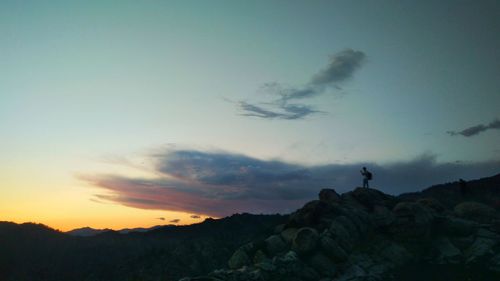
{"x": 118, "y": 114}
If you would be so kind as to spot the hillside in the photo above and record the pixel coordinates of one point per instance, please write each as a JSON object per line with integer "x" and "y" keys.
{"x": 366, "y": 235}
{"x": 35, "y": 252}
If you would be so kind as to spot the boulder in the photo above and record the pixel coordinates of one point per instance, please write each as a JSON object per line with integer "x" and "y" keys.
{"x": 413, "y": 222}
{"x": 305, "y": 240}
{"x": 369, "y": 198}
{"x": 313, "y": 212}
{"x": 322, "y": 264}
{"x": 446, "y": 252}
{"x": 454, "y": 227}
{"x": 275, "y": 245}
{"x": 480, "y": 250}
{"x": 382, "y": 216}
{"x": 329, "y": 195}
{"x": 238, "y": 259}
{"x": 288, "y": 234}
{"x": 432, "y": 204}
{"x": 476, "y": 211}
{"x": 332, "y": 249}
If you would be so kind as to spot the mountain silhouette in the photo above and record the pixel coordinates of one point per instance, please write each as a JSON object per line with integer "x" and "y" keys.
{"x": 440, "y": 232}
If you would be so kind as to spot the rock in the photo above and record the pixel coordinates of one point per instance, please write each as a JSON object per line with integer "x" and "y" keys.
{"x": 308, "y": 274}
{"x": 341, "y": 235}
{"x": 259, "y": 256}
{"x": 458, "y": 227}
{"x": 395, "y": 253}
{"x": 238, "y": 259}
{"x": 476, "y": 211}
{"x": 382, "y": 216}
{"x": 371, "y": 197}
{"x": 353, "y": 231}
{"x": 432, "y": 204}
{"x": 446, "y": 252}
{"x": 279, "y": 228}
{"x": 353, "y": 273}
{"x": 329, "y": 196}
{"x": 495, "y": 226}
{"x": 462, "y": 243}
{"x": 275, "y": 245}
{"x": 305, "y": 240}
{"x": 485, "y": 233}
{"x": 480, "y": 250}
{"x": 290, "y": 256}
{"x": 322, "y": 264}
{"x": 494, "y": 263}
{"x": 413, "y": 222}
{"x": 288, "y": 234}
{"x": 313, "y": 212}
{"x": 332, "y": 249}
{"x": 266, "y": 266}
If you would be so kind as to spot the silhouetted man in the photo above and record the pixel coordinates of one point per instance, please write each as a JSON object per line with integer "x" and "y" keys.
{"x": 463, "y": 187}
{"x": 366, "y": 177}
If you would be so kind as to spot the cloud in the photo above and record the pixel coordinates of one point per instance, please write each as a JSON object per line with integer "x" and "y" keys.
{"x": 195, "y": 217}
{"x": 477, "y": 129}
{"x": 175, "y": 221}
{"x": 286, "y": 111}
{"x": 162, "y": 219}
{"x": 218, "y": 183}
{"x": 340, "y": 69}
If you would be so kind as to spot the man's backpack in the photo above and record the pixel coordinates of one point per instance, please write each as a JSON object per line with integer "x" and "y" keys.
{"x": 369, "y": 175}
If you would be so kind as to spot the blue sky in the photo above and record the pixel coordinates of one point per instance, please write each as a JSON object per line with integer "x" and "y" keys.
{"x": 103, "y": 87}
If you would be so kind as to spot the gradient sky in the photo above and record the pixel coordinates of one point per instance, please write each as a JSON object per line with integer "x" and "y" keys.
{"x": 135, "y": 113}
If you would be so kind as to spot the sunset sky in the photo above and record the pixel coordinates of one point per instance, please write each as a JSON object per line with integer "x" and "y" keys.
{"x": 117, "y": 114}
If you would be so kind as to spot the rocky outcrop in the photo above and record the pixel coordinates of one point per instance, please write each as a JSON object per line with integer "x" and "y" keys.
{"x": 368, "y": 235}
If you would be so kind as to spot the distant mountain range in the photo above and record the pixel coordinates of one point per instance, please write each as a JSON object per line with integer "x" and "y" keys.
{"x": 88, "y": 231}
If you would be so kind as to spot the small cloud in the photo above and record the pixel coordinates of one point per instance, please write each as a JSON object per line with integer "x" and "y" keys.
{"x": 195, "y": 217}
{"x": 162, "y": 219}
{"x": 175, "y": 221}
{"x": 340, "y": 69}
{"x": 285, "y": 111}
{"x": 477, "y": 129}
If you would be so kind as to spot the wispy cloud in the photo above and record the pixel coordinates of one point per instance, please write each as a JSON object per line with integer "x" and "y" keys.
{"x": 340, "y": 69}
{"x": 162, "y": 219}
{"x": 220, "y": 183}
{"x": 195, "y": 217}
{"x": 477, "y": 129}
{"x": 175, "y": 221}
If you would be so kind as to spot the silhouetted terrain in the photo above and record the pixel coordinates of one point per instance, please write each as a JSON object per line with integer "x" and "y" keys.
{"x": 35, "y": 252}
{"x": 366, "y": 235}
{"x": 437, "y": 234}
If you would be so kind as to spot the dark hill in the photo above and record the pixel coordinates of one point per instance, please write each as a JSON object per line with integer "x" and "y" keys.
{"x": 36, "y": 252}
{"x": 366, "y": 235}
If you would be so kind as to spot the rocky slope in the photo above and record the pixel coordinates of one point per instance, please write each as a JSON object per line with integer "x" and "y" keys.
{"x": 368, "y": 235}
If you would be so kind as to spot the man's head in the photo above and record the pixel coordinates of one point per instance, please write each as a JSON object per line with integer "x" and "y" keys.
{"x": 364, "y": 168}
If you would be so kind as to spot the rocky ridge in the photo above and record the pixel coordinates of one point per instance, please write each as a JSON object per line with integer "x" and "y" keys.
{"x": 366, "y": 235}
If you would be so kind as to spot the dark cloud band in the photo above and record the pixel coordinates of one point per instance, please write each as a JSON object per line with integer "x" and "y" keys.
{"x": 219, "y": 183}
